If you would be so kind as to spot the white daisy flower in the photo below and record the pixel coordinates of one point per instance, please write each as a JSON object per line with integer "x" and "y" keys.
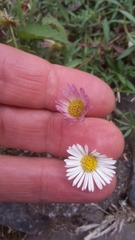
{"x": 74, "y": 105}
{"x": 89, "y": 169}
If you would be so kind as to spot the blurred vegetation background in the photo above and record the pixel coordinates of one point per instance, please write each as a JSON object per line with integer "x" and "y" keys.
{"x": 94, "y": 36}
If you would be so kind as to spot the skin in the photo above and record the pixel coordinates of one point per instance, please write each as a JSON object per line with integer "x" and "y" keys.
{"x": 29, "y": 87}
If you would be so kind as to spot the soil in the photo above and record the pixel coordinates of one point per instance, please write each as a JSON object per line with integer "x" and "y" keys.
{"x": 59, "y": 221}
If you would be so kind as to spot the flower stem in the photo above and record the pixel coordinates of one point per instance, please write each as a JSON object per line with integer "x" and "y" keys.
{"x": 13, "y": 36}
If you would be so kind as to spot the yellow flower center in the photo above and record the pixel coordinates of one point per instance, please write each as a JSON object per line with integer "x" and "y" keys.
{"x": 89, "y": 163}
{"x": 75, "y": 108}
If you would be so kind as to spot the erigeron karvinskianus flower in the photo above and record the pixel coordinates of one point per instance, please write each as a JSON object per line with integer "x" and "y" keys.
{"x": 89, "y": 169}
{"x": 75, "y": 104}
{"x": 51, "y": 45}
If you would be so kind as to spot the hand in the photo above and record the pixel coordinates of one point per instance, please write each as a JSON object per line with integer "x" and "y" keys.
{"x": 29, "y": 87}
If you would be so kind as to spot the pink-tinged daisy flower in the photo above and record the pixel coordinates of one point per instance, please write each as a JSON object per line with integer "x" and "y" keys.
{"x": 75, "y": 105}
{"x": 47, "y": 43}
{"x": 89, "y": 169}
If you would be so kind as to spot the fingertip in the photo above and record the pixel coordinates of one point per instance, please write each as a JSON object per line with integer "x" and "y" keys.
{"x": 64, "y": 192}
{"x": 102, "y": 97}
{"x": 39, "y": 82}
{"x": 23, "y": 179}
{"x": 79, "y": 196}
{"x": 119, "y": 141}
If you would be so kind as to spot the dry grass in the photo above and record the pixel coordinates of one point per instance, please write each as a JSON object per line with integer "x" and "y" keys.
{"x": 113, "y": 222}
{"x": 7, "y": 233}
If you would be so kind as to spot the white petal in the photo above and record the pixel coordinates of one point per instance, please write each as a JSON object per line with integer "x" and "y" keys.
{"x": 108, "y": 172}
{"x": 98, "y": 178}
{"x": 70, "y": 163}
{"x": 85, "y": 183}
{"x": 86, "y": 149}
{"x": 98, "y": 182}
{"x": 95, "y": 153}
{"x": 81, "y": 149}
{"x": 101, "y": 156}
{"x": 72, "y": 175}
{"x": 73, "y": 151}
{"x": 106, "y": 167}
{"x": 77, "y": 178}
{"x": 90, "y": 183}
{"x": 104, "y": 176}
{"x": 77, "y": 150}
{"x": 81, "y": 180}
{"x": 74, "y": 169}
{"x": 106, "y": 161}
{"x": 73, "y": 158}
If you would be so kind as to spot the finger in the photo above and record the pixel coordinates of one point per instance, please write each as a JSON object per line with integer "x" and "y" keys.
{"x": 29, "y": 81}
{"x": 42, "y": 180}
{"x": 40, "y": 131}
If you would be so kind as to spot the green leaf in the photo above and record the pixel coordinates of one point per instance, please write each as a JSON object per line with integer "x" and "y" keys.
{"x": 111, "y": 62}
{"x": 37, "y": 31}
{"x": 120, "y": 65}
{"x": 132, "y": 58}
{"x": 117, "y": 21}
{"x": 128, "y": 15}
{"x": 130, "y": 86}
{"x": 121, "y": 122}
{"x": 131, "y": 39}
{"x": 124, "y": 128}
{"x": 55, "y": 23}
{"x": 132, "y": 74}
{"x": 128, "y": 132}
{"x": 121, "y": 78}
{"x": 131, "y": 117}
{"x": 106, "y": 30}
{"x": 70, "y": 53}
{"x": 126, "y": 52}
{"x": 115, "y": 2}
{"x": 26, "y": 48}
{"x": 97, "y": 3}
{"x": 74, "y": 63}
{"x": 64, "y": 12}
{"x": 131, "y": 5}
